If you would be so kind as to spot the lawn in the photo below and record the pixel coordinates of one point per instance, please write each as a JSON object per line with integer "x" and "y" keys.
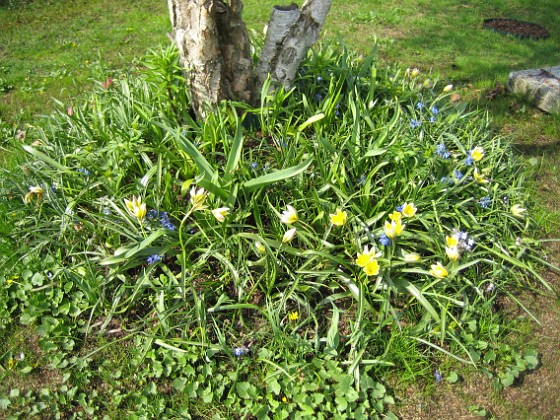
{"x": 375, "y": 243}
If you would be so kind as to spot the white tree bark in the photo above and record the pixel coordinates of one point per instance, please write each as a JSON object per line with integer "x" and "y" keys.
{"x": 215, "y": 51}
{"x": 290, "y": 34}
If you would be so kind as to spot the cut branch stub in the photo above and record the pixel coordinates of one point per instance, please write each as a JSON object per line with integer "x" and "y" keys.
{"x": 290, "y": 34}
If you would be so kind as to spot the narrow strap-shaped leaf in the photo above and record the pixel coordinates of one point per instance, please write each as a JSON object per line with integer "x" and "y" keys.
{"x": 264, "y": 180}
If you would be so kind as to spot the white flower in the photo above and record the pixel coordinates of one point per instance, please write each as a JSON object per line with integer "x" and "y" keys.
{"x": 220, "y": 213}
{"x": 289, "y": 235}
{"x": 289, "y": 216}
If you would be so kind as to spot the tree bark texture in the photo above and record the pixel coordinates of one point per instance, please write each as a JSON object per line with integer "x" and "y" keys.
{"x": 215, "y": 52}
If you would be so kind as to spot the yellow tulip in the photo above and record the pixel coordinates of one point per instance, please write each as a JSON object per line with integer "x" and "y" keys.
{"x": 289, "y": 235}
{"x": 372, "y": 267}
{"x": 408, "y": 209}
{"x": 439, "y": 271}
{"x": 289, "y": 216}
{"x": 339, "y": 218}
{"x": 220, "y": 213}
{"x": 136, "y": 207}
{"x": 412, "y": 257}
{"x": 517, "y": 210}
{"x": 452, "y": 253}
{"x": 198, "y": 198}
{"x": 477, "y": 153}
{"x": 393, "y": 229}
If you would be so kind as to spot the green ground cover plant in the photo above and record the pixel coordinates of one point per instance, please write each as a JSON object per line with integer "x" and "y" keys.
{"x": 309, "y": 257}
{"x": 271, "y": 249}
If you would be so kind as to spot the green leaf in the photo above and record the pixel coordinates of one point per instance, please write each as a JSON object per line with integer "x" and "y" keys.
{"x": 452, "y": 378}
{"x": 311, "y": 120}
{"x": 246, "y": 390}
{"x": 234, "y": 154}
{"x": 264, "y": 180}
{"x": 413, "y": 290}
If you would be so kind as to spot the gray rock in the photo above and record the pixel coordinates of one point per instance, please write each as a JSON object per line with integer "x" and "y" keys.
{"x": 541, "y": 86}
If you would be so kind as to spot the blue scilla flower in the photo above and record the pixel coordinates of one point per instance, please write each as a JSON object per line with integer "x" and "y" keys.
{"x": 152, "y": 214}
{"x": 432, "y": 119}
{"x": 399, "y": 208}
{"x": 420, "y": 105}
{"x": 384, "y": 240}
{"x": 166, "y": 221}
{"x": 485, "y": 202}
{"x": 106, "y": 211}
{"x": 458, "y": 174}
{"x": 154, "y": 258}
{"x": 469, "y": 161}
{"x": 437, "y": 376}
{"x": 442, "y": 152}
{"x": 84, "y": 171}
{"x": 240, "y": 351}
{"x": 319, "y": 78}
{"x": 254, "y": 165}
{"x": 434, "y": 110}
{"x": 415, "y": 123}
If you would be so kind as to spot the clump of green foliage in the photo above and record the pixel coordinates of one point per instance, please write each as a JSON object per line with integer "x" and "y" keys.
{"x": 276, "y": 259}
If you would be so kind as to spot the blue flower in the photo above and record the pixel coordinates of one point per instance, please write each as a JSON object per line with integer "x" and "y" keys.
{"x": 485, "y": 202}
{"x": 152, "y": 213}
{"x": 166, "y": 221}
{"x": 434, "y": 110}
{"x": 384, "y": 240}
{"x": 415, "y": 123}
{"x": 254, "y": 165}
{"x": 153, "y": 259}
{"x": 399, "y": 208}
{"x": 469, "y": 161}
{"x": 432, "y": 119}
{"x": 106, "y": 210}
{"x": 457, "y": 174}
{"x": 420, "y": 105}
{"x": 437, "y": 376}
{"x": 83, "y": 171}
{"x": 319, "y": 78}
{"x": 441, "y": 151}
{"x": 240, "y": 351}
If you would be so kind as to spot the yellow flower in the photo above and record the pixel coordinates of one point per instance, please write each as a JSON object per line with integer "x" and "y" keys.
{"x": 452, "y": 253}
{"x": 339, "y": 218}
{"x": 412, "y": 257}
{"x": 393, "y": 229}
{"x": 415, "y": 72}
{"x": 439, "y": 271}
{"x": 293, "y": 316}
{"x": 136, "y": 207}
{"x": 517, "y": 210}
{"x": 289, "y": 235}
{"x": 408, "y": 209}
{"x": 372, "y": 267}
{"x": 478, "y": 177}
{"x": 289, "y": 216}
{"x": 364, "y": 257}
{"x": 198, "y": 197}
{"x": 34, "y": 191}
{"x": 396, "y": 216}
{"x": 220, "y": 213}
{"x": 260, "y": 247}
{"x": 451, "y": 241}
{"x": 448, "y": 88}
{"x": 477, "y": 153}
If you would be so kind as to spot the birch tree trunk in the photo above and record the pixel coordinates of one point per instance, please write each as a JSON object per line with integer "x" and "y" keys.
{"x": 215, "y": 50}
